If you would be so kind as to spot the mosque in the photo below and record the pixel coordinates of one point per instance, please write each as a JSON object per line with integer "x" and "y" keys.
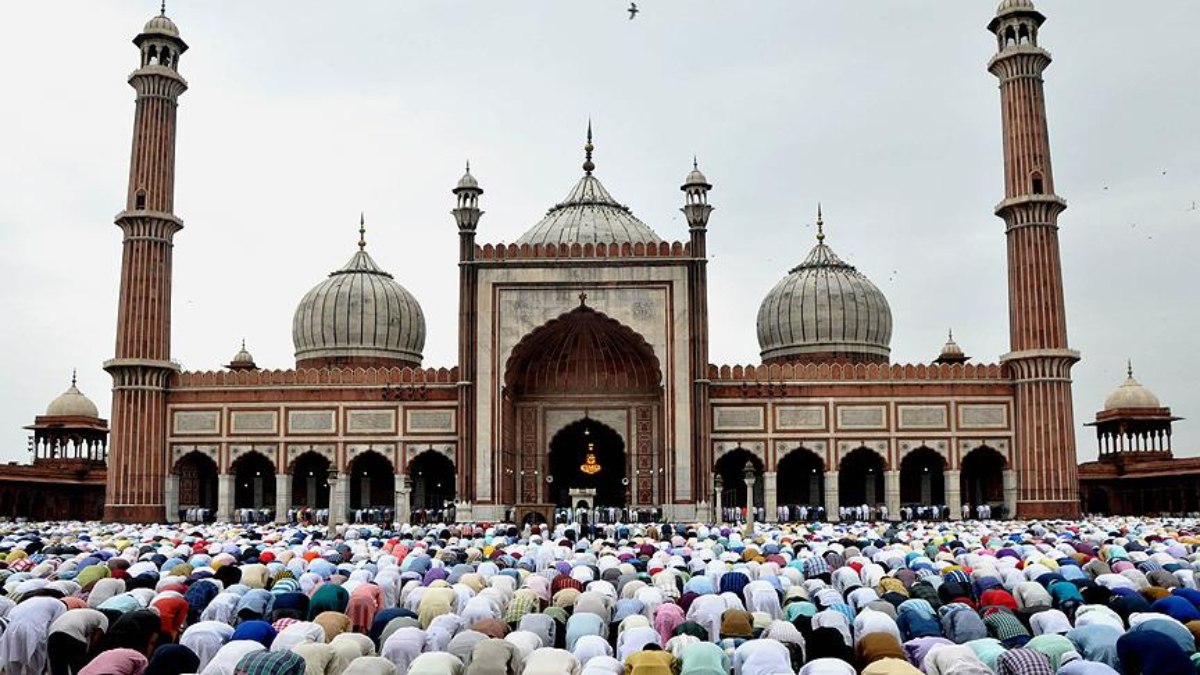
{"x": 583, "y": 371}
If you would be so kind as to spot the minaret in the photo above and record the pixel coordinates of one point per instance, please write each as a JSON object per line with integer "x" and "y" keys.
{"x": 697, "y": 210}
{"x": 1040, "y": 360}
{"x": 137, "y": 460}
{"x": 466, "y": 215}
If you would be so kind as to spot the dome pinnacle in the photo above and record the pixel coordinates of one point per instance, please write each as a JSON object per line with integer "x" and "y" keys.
{"x": 588, "y": 165}
{"x": 362, "y": 231}
{"x": 820, "y": 225}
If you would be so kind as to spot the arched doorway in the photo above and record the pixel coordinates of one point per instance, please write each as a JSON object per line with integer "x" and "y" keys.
{"x": 432, "y": 476}
{"x": 800, "y": 479}
{"x": 254, "y": 482}
{"x": 197, "y": 486}
{"x": 588, "y": 455}
{"x": 860, "y": 478}
{"x": 1097, "y": 501}
{"x": 982, "y": 478}
{"x": 582, "y": 360}
{"x": 310, "y": 481}
{"x": 922, "y": 481}
{"x": 372, "y": 482}
{"x": 731, "y": 467}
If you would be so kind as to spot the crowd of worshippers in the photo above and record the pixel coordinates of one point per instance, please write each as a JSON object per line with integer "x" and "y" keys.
{"x": 1090, "y": 597}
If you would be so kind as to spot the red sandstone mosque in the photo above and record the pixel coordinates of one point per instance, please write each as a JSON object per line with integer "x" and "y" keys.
{"x": 584, "y": 373}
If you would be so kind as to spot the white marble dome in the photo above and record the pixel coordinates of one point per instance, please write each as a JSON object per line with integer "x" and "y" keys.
{"x": 1010, "y": 5}
{"x": 1131, "y": 394}
{"x": 824, "y": 309}
{"x": 359, "y": 315}
{"x": 161, "y": 25}
{"x": 589, "y": 215}
{"x": 72, "y": 403}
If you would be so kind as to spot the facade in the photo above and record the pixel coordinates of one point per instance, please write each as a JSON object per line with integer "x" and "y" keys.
{"x": 583, "y": 369}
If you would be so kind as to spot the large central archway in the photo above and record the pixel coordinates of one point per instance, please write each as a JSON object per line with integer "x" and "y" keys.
{"x": 582, "y": 361}
{"x": 860, "y": 479}
{"x": 588, "y": 455}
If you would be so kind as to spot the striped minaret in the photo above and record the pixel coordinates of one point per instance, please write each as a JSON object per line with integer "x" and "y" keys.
{"x": 137, "y": 458}
{"x": 1040, "y": 360}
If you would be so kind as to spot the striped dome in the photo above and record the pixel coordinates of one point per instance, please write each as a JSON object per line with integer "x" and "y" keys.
{"x": 359, "y": 316}
{"x": 589, "y": 215}
{"x": 824, "y": 310}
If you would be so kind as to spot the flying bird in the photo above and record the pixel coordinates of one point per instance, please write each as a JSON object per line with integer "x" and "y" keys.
{"x": 633, "y": 10}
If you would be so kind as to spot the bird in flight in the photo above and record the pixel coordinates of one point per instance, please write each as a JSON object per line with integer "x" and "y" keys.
{"x": 633, "y": 10}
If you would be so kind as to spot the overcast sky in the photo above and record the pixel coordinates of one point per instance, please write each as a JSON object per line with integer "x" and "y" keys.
{"x": 302, "y": 113}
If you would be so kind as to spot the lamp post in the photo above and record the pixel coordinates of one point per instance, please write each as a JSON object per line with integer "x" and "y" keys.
{"x": 333, "y": 504}
{"x": 718, "y": 488}
{"x": 750, "y": 478}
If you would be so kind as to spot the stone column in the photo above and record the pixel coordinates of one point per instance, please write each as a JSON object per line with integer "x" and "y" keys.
{"x": 1010, "y": 493}
{"x": 771, "y": 496}
{"x": 750, "y": 479}
{"x": 402, "y": 511}
{"x": 224, "y": 497}
{"x": 335, "y": 503}
{"x": 891, "y": 493}
{"x": 283, "y": 496}
{"x": 718, "y": 488}
{"x": 954, "y": 493}
{"x": 831, "y": 496}
{"x": 171, "y": 497}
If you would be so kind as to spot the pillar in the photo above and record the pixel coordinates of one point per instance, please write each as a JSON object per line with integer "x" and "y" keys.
{"x": 283, "y": 496}
{"x": 953, "y": 481}
{"x": 831, "y": 496}
{"x": 891, "y": 493}
{"x": 1010, "y": 493}
{"x": 771, "y": 496}
{"x": 225, "y": 497}
{"x": 750, "y": 505}
{"x": 335, "y": 502}
{"x": 343, "y": 489}
{"x": 402, "y": 512}
{"x": 171, "y": 497}
{"x": 720, "y": 511}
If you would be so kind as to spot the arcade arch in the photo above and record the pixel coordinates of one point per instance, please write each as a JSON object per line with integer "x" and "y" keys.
{"x": 982, "y": 478}
{"x": 432, "y": 477}
{"x": 197, "y": 482}
{"x": 731, "y": 468}
{"x": 310, "y": 481}
{"x": 372, "y": 481}
{"x": 922, "y": 478}
{"x": 253, "y": 482}
{"x": 860, "y": 478}
{"x": 800, "y": 478}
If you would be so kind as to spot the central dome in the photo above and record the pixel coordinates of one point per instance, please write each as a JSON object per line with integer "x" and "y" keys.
{"x": 589, "y": 215}
{"x": 824, "y": 310}
{"x": 358, "y": 317}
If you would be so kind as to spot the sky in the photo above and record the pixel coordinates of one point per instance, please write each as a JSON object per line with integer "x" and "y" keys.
{"x": 300, "y": 114}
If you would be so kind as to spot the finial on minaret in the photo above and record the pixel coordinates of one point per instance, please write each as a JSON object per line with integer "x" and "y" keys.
{"x": 588, "y": 165}
{"x": 695, "y": 163}
{"x": 582, "y": 299}
{"x": 162, "y": 8}
{"x": 362, "y": 231}
{"x": 950, "y": 334}
{"x": 1129, "y": 368}
{"x": 820, "y": 225}
{"x": 72, "y": 377}
{"x": 243, "y": 344}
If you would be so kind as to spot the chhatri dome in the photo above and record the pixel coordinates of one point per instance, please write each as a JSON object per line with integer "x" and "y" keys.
{"x": 359, "y": 316}
{"x": 824, "y": 310}
{"x": 1131, "y": 394}
{"x": 589, "y": 215}
{"x": 72, "y": 403}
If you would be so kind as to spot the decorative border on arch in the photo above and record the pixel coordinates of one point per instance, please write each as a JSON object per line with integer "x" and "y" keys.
{"x": 387, "y": 450}
{"x": 240, "y": 450}
{"x": 785, "y": 448}
{"x": 940, "y": 446}
{"x": 326, "y": 450}
{"x": 1000, "y": 445}
{"x": 212, "y": 452}
{"x": 412, "y": 450}
{"x": 756, "y": 448}
{"x": 880, "y": 446}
